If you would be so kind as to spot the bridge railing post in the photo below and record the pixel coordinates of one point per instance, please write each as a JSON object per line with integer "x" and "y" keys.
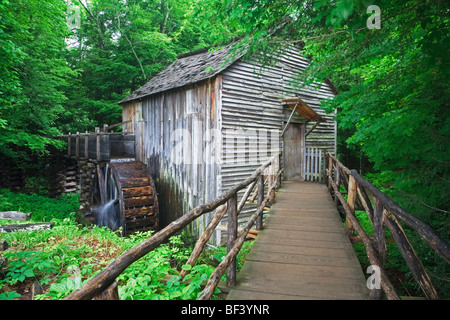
{"x": 97, "y": 144}
{"x": 329, "y": 172}
{"x": 351, "y": 200}
{"x": 259, "y": 220}
{"x": 231, "y": 237}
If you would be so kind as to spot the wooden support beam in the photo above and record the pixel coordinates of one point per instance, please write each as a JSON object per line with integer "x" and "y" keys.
{"x": 289, "y": 120}
{"x": 110, "y": 293}
{"x": 411, "y": 258}
{"x": 379, "y": 241}
{"x": 314, "y": 126}
{"x": 426, "y": 232}
{"x": 231, "y": 255}
{"x": 231, "y": 237}
{"x": 386, "y": 284}
{"x": 69, "y": 144}
{"x": 259, "y": 220}
{"x": 97, "y": 145}
{"x": 365, "y": 201}
{"x": 201, "y": 243}
{"x": 379, "y": 235}
{"x": 86, "y": 146}
{"x": 245, "y": 196}
{"x": 3, "y": 245}
{"x": 77, "y": 145}
{"x": 351, "y": 200}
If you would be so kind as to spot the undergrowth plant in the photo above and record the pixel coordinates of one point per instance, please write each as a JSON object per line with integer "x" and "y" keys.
{"x": 60, "y": 260}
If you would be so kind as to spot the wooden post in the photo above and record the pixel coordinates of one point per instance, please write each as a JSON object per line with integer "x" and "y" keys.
{"x": 3, "y": 246}
{"x": 338, "y": 181}
{"x": 110, "y": 293}
{"x": 86, "y": 146}
{"x": 201, "y": 243}
{"x": 259, "y": 220}
{"x": 379, "y": 236}
{"x": 330, "y": 172}
{"x": 77, "y": 145}
{"x": 69, "y": 144}
{"x": 365, "y": 201}
{"x": 245, "y": 196}
{"x": 386, "y": 285}
{"x": 351, "y": 200}
{"x": 271, "y": 194}
{"x": 232, "y": 235}
{"x": 409, "y": 254}
{"x": 97, "y": 132}
{"x": 277, "y": 170}
{"x": 379, "y": 241}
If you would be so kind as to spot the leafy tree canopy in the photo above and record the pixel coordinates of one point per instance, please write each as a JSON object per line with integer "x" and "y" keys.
{"x": 58, "y": 76}
{"x": 392, "y": 80}
{"x": 33, "y": 73}
{"x": 64, "y": 65}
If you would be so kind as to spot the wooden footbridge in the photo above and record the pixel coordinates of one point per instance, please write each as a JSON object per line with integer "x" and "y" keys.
{"x": 303, "y": 251}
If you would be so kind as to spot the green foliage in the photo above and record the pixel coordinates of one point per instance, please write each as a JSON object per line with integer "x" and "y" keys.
{"x": 393, "y": 101}
{"x": 65, "y": 257}
{"x": 155, "y": 276}
{"x": 57, "y": 80}
{"x": 33, "y": 72}
{"x": 43, "y": 208}
{"x": 29, "y": 264}
{"x": 393, "y": 97}
{"x": 10, "y": 295}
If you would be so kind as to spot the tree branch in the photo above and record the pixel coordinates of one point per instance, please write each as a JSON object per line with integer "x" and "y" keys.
{"x": 132, "y": 48}
{"x": 97, "y": 23}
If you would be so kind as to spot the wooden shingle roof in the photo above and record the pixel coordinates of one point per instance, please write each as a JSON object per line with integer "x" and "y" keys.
{"x": 186, "y": 70}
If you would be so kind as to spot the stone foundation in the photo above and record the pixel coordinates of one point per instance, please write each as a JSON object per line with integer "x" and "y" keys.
{"x": 88, "y": 176}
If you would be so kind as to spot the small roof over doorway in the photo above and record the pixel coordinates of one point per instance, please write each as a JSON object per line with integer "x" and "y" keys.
{"x": 303, "y": 109}
{"x": 300, "y": 106}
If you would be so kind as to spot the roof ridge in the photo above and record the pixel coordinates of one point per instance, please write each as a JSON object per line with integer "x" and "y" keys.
{"x": 191, "y": 68}
{"x": 207, "y": 48}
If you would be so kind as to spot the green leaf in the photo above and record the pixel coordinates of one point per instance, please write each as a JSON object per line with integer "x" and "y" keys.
{"x": 186, "y": 267}
{"x": 28, "y": 273}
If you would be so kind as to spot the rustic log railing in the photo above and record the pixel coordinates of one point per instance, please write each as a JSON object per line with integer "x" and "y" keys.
{"x": 227, "y": 202}
{"x": 99, "y": 145}
{"x": 383, "y": 212}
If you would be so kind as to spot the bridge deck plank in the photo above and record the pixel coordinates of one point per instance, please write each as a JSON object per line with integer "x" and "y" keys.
{"x": 303, "y": 252}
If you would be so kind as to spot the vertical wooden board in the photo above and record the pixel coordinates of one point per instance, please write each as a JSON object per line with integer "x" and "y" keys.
{"x": 159, "y": 124}
{"x": 207, "y": 156}
{"x": 232, "y": 235}
{"x": 292, "y": 152}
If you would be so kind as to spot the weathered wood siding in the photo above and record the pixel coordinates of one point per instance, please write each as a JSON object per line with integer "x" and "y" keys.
{"x": 176, "y": 137}
{"x": 201, "y": 139}
{"x": 252, "y": 113}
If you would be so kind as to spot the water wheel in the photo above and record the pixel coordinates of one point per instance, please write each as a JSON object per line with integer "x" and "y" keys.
{"x": 128, "y": 198}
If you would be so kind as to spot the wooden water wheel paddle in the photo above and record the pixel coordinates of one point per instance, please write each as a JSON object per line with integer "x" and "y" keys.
{"x": 139, "y": 210}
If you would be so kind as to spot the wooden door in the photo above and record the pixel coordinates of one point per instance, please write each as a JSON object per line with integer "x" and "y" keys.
{"x": 294, "y": 144}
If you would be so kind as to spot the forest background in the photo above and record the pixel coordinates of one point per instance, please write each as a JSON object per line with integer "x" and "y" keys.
{"x": 64, "y": 65}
